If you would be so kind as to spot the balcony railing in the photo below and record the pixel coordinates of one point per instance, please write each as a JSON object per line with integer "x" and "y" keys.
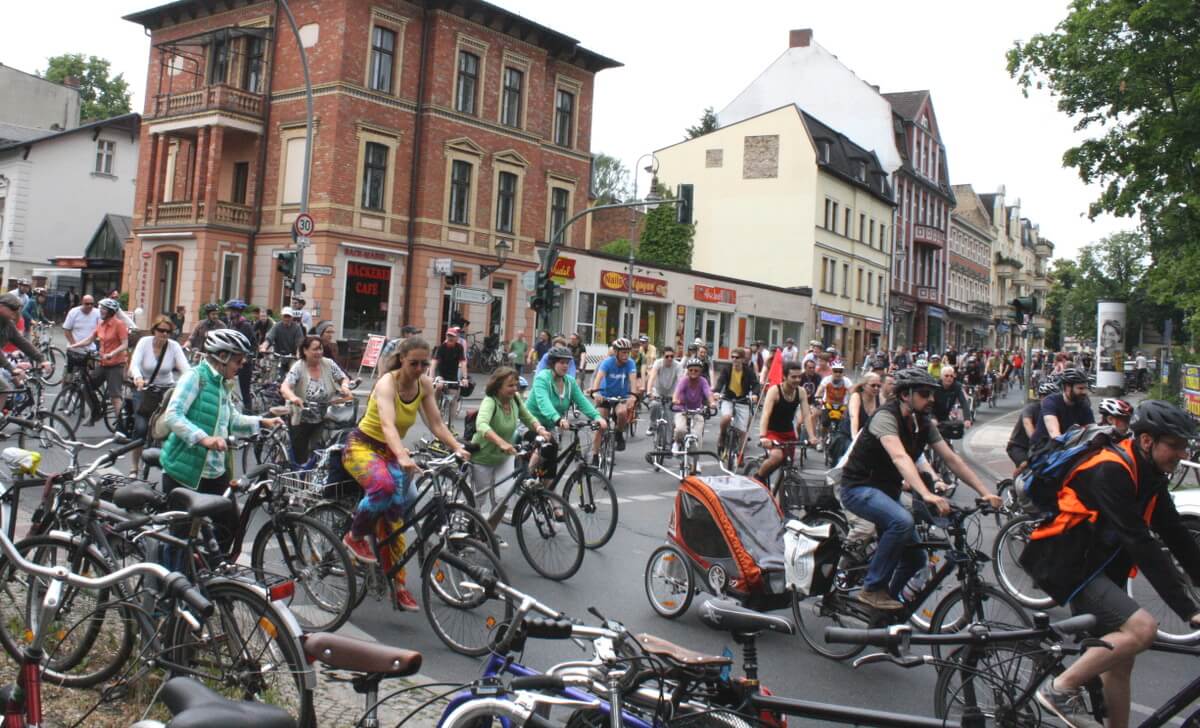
{"x": 929, "y": 235}
{"x": 218, "y": 97}
{"x": 180, "y": 213}
{"x": 233, "y": 214}
{"x": 173, "y": 213}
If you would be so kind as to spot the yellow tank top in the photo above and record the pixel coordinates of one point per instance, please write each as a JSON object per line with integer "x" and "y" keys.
{"x": 406, "y": 415}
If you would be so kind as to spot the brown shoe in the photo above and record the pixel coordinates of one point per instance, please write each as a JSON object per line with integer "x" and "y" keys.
{"x": 496, "y": 516}
{"x": 879, "y": 600}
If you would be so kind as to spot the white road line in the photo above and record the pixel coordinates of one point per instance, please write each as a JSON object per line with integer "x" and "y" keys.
{"x": 668, "y": 493}
{"x": 624, "y": 500}
{"x": 628, "y": 472}
{"x": 1147, "y": 710}
{"x": 644, "y": 497}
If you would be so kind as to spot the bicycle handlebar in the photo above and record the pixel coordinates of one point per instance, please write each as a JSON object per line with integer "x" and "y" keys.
{"x": 902, "y": 635}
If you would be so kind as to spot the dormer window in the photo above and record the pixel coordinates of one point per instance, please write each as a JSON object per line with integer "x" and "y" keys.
{"x": 862, "y": 171}
{"x": 825, "y": 151}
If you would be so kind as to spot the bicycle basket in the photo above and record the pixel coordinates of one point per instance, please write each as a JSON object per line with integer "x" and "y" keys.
{"x": 809, "y": 492}
{"x": 342, "y": 415}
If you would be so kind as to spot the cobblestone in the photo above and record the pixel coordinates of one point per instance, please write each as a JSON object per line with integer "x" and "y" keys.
{"x": 338, "y": 705}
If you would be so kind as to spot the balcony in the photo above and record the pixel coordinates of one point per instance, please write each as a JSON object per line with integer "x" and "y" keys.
{"x": 1007, "y": 267}
{"x": 215, "y": 98}
{"x": 1041, "y": 285}
{"x": 929, "y": 236}
{"x": 1044, "y": 250}
{"x": 227, "y": 214}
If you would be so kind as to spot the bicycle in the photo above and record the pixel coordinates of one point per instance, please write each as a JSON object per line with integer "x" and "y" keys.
{"x": 688, "y": 450}
{"x": 661, "y": 431}
{"x": 274, "y": 445}
{"x": 42, "y": 339}
{"x": 27, "y": 403}
{"x": 81, "y": 390}
{"x": 606, "y": 456}
{"x": 447, "y": 400}
{"x": 831, "y": 418}
{"x": 812, "y": 501}
{"x": 732, "y": 447}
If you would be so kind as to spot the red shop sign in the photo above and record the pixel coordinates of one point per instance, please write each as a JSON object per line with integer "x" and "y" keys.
{"x": 716, "y": 294}
{"x": 563, "y": 268}
{"x": 613, "y": 281}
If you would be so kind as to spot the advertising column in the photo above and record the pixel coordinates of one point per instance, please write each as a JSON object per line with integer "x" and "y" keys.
{"x": 1110, "y": 338}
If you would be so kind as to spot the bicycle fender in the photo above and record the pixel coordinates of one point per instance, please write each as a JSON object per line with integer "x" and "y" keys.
{"x": 284, "y": 615}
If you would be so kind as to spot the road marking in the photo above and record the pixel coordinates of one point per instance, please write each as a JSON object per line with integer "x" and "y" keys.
{"x": 624, "y": 500}
{"x": 628, "y": 472}
{"x": 1147, "y": 710}
{"x": 668, "y": 493}
{"x": 644, "y": 497}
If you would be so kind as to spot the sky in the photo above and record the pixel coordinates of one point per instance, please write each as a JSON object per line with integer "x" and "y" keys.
{"x": 681, "y": 56}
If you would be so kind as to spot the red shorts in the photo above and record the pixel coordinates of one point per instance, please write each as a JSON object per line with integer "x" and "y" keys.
{"x": 784, "y": 437}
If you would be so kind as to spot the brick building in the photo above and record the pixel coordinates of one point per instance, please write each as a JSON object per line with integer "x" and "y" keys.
{"x": 440, "y": 130}
{"x": 969, "y": 293}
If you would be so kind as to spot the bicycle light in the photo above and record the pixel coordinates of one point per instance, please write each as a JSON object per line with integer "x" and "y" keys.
{"x": 281, "y": 591}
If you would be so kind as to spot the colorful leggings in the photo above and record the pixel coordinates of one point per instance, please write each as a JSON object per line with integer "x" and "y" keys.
{"x": 388, "y": 490}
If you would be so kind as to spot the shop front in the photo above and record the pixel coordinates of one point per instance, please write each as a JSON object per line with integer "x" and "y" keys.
{"x": 935, "y": 328}
{"x": 368, "y": 290}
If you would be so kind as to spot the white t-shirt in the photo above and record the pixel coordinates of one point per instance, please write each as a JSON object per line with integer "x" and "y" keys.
{"x": 80, "y": 324}
{"x": 141, "y": 366}
{"x": 790, "y": 353}
{"x": 1140, "y": 362}
{"x": 305, "y": 319}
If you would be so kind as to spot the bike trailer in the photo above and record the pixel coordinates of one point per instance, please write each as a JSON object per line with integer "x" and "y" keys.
{"x": 732, "y": 531}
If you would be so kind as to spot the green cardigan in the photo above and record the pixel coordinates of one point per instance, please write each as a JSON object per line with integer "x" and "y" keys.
{"x": 493, "y": 418}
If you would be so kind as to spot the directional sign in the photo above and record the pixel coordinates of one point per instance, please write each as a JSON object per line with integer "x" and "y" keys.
{"x": 304, "y": 225}
{"x": 318, "y": 270}
{"x": 463, "y": 294}
{"x": 529, "y": 280}
{"x": 303, "y": 241}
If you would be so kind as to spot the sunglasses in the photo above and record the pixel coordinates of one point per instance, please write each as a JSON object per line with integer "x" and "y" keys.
{"x": 923, "y": 392}
{"x": 736, "y": 356}
{"x": 163, "y": 331}
{"x": 874, "y": 386}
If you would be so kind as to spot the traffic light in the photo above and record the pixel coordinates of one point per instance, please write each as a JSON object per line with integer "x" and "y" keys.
{"x": 1023, "y": 306}
{"x": 542, "y": 297}
{"x": 285, "y": 263}
{"x": 683, "y": 211}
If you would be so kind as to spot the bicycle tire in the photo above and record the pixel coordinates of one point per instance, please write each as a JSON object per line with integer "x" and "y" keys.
{"x": 992, "y": 603}
{"x": 450, "y": 606}
{"x": 989, "y": 680}
{"x": 1171, "y": 628}
{"x": 813, "y": 614}
{"x": 336, "y": 516}
{"x": 1006, "y": 548}
{"x": 669, "y": 568}
{"x": 550, "y": 542}
{"x": 244, "y": 651}
{"x": 70, "y": 403}
{"x": 317, "y": 562}
{"x": 58, "y": 365}
{"x": 102, "y": 626}
{"x": 595, "y": 502}
{"x": 461, "y": 521}
{"x": 41, "y": 441}
{"x": 608, "y": 452}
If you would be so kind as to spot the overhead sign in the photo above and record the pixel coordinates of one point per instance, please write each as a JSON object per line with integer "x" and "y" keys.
{"x": 464, "y": 294}
{"x": 529, "y": 280}
{"x": 611, "y": 280}
{"x": 318, "y": 270}
{"x": 715, "y": 294}
{"x": 304, "y": 225}
{"x": 370, "y": 355}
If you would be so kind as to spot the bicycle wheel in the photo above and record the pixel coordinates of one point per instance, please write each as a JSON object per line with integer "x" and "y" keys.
{"x": 456, "y": 520}
{"x": 305, "y": 550}
{"x": 116, "y": 420}
{"x": 549, "y": 534}
{"x": 668, "y": 581}
{"x": 1170, "y": 627}
{"x": 990, "y": 606}
{"x": 58, "y": 365}
{"x": 462, "y": 617}
{"x": 608, "y": 452}
{"x": 70, "y": 403}
{"x": 93, "y": 633}
{"x": 990, "y": 680}
{"x": 595, "y": 502}
{"x": 814, "y": 614}
{"x": 1006, "y": 549}
{"x": 1182, "y": 471}
{"x": 244, "y": 651}
{"x": 336, "y": 517}
{"x": 921, "y": 616}
{"x": 42, "y": 441}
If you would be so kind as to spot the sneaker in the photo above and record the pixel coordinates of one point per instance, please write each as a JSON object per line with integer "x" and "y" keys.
{"x": 1068, "y": 705}
{"x": 620, "y": 441}
{"x": 359, "y": 549}
{"x": 501, "y": 542}
{"x": 879, "y": 600}
{"x": 496, "y": 516}
{"x": 649, "y": 432}
{"x": 405, "y": 601}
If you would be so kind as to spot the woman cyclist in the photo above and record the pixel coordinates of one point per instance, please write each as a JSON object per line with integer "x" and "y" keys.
{"x": 312, "y": 378}
{"x": 865, "y": 398}
{"x": 1116, "y": 412}
{"x": 375, "y": 455}
{"x": 553, "y": 393}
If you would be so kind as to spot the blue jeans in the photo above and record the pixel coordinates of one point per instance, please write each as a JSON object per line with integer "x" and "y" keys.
{"x": 893, "y": 563}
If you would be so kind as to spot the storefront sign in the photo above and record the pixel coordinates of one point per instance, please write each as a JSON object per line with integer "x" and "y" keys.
{"x": 833, "y": 318}
{"x": 872, "y": 325}
{"x": 76, "y": 262}
{"x": 368, "y": 280}
{"x": 143, "y": 282}
{"x": 370, "y": 355}
{"x": 613, "y": 281}
{"x": 368, "y": 254}
{"x": 1191, "y": 387}
{"x": 716, "y": 294}
{"x": 680, "y": 322}
{"x": 564, "y": 268}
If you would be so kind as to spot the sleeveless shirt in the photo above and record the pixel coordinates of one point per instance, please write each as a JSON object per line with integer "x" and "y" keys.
{"x": 783, "y": 414}
{"x": 406, "y": 414}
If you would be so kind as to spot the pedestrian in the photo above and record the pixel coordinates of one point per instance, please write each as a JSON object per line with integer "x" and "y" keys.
{"x": 328, "y": 336}
{"x": 178, "y": 319}
{"x": 304, "y": 317}
{"x": 156, "y": 361}
{"x": 518, "y": 351}
{"x": 543, "y": 344}
{"x": 578, "y": 353}
{"x": 112, "y": 335}
{"x": 80, "y": 322}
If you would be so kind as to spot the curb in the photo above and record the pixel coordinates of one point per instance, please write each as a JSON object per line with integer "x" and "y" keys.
{"x": 1004, "y": 422}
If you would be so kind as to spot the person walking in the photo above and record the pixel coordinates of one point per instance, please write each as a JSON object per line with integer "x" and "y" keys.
{"x": 518, "y": 351}
{"x": 156, "y": 361}
{"x": 313, "y": 378}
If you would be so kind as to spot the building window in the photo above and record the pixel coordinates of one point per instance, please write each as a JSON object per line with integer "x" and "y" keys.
{"x": 374, "y": 175}
{"x": 293, "y": 170}
{"x": 218, "y": 60}
{"x": 871, "y": 235}
{"x": 252, "y": 72}
{"x": 828, "y": 213}
{"x": 460, "y": 192}
{"x": 848, "y": 230}
{"x": 858, "y": 291}
{"x": 468, "y": 81}
{"x": 506, "y": 202}
{"x": 870, "y": 288}
{"x": 241, "y": 181}
{"x": 383, "y": 59}
{"x": 564, "y": 111}
{"x": 231, "y": 266}
{"x": 883, "y": 237}
{"x": 367, "y": 293}
{"x": 560, "y": 200}
{"x": 834, "y": 218}
{"x": 510, "y": 104}
{"x": 585, "y": 316}
{"x": 862, "y": 228}
{"x": 104, "y": 156}
{"x": 824, "y": 274}
{"x": 879, "y": 278}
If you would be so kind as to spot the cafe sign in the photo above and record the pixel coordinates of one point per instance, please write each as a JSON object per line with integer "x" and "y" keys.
{"x": 716, "y": 294}
{"x": 611, "y": 280}
{"x": 563, "y": 270}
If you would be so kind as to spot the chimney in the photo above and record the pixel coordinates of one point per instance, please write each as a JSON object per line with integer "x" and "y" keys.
{"x": 800, "y": 38}
{"x": 71, "y": 81}
{"x": 876, "y": 87}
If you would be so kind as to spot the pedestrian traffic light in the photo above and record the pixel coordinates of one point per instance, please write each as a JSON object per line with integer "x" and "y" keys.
{"x": 683, "y": 210}
{"x": 1025, "y": 304}
{"x": 285, "y": 263}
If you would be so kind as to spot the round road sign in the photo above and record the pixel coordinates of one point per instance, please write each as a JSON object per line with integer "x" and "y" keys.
{"x": 304, "y": 224}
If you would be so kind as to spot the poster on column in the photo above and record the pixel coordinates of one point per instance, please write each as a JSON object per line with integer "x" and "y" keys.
{"x": 1110, "y": 338}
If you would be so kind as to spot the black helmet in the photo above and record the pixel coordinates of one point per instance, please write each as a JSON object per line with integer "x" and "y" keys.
{"x": 1072, "y": 376}
{"x": 1048, "y": 387}
{"x": 558, "y": 352}
{"x": 1162, "y": 418}
{"x": 915, "y": 377}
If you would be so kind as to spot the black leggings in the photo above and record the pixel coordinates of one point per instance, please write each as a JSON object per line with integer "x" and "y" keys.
{"x": 304, "y": 437}
{"x": 225, "y": 524}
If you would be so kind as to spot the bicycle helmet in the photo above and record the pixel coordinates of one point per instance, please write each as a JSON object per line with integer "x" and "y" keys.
{"x": 1116, "y": 407}
{"x": 558, "y": 352}
{"x": 915, "y": 377}
{"x": 109, "y": 305}
{"x": 11, "y": 300}
{"x": 922, "y": 364}
{"x": 935, "y": 357}
{"x": 1158, "y": 418}
{"x": 287, "y": 311}
{"x": 1072, "y": 376}
{"x": 643, "y": 339}
{"x": 467, "y": 389}
{"x": 208, "y": 308}
{"x": 39, "y": 291}
{"x": 838, "y": 366}
{"x": 235, "y": 303}
{"x": 622, "y": 344}
{"x": 831, "y": 350}
{"x": 1047, "y": 387}
{"x": 226, "y": 341}
{"x": 693, "y": 362}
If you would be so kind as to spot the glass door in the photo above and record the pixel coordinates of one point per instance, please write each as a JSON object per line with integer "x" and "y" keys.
{"x": 712, "y": 331}
{"x": 498, "y": 316}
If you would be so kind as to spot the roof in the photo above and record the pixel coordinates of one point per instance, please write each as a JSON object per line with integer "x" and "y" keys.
{"x": 10, "y": 133}
{"x": 131, "y": 122}
{"x": 847, "y": 160}
{"x": 562, "y": 47}
{"x": 907, "y": 103}
{"x": 989, "y": 203}
{"x": 108, "y": 241}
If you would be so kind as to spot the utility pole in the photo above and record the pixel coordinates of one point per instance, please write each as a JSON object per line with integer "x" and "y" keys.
{"x": 308, "y": 141}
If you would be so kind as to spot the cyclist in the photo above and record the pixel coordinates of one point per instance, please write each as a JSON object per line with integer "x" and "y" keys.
{"x": 449, "y": 365}
{"x": 285, "y": 336}
{"x": 1117, "y": 413}
{"x": 10, "y": 313}
{"x": 312, "y": 378}
{"x": 781, "y": 404}
{"x": 810, "y": 380}
{"x": 35, "y": 308}
{"x": 646, "y": 355}
{"x": 200, "y": 415}
{"x": 664, "y": 376}
{"x": 948, "y": 395}
{"x": 1108, "y": 507}
{"x": 833, "y": 393}
{"x": 735, "y": 382}
{"x": 553, "y": 393}
{"x": 865, "y": 398}
{"x": 113, "y": 337}
{"x": 237, "y": 322}
{"x": 1065, "y": 409}
{"x": 616, "y": 377}
{"x": 882, "y": 461}
{"x": 375, "y": 455}
{"x": 692, "y": 393}
{"x": 211, "y": 322}
{"x": 1018, "y": 441}
{"x": 935, "y": 366}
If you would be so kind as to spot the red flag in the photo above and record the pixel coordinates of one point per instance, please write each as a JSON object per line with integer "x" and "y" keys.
{"x": 775, "y": 375}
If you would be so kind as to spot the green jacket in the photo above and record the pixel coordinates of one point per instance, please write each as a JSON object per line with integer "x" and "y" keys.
{"x": 201, "y": 405}
{"x": 548, "y": 406}
{"x": 492, "y": 418}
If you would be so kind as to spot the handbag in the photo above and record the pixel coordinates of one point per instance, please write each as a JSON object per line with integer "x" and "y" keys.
{"x": 151, "y": 399}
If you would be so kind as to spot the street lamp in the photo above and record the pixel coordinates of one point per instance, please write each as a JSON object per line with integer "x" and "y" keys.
{"x": 502, "y": 251}
{"x": 651, "y": 198}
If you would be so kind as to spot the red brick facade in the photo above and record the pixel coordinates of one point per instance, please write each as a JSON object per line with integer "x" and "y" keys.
{"x": 199, "y": 130}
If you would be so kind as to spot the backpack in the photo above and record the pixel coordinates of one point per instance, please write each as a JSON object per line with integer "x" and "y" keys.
{"x": 1053, "y": 460}
{"x": 157, "y": 425}
{"x": 468, "y": 433}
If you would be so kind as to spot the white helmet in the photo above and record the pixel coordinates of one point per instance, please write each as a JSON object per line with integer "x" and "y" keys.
{"x": 109, "y": 305}
{"x": 287, "y": 311}
{"x": 223, "y": 342}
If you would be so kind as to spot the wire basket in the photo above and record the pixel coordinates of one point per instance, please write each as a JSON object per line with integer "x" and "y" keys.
{"x": 304, "y": 489}
{"x": 713, "y": 719}
{"x": 809, "y": 493}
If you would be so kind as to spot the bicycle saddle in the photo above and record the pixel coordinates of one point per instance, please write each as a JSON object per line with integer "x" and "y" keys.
{"x": 672, "y": 652}
{"x": 347, "y": 653}
{"x": 152, "y": 457}
{"x": 195, "y": 706}
{"x": 729, "y": 616}
{"x": 136, "y": 496}
{"x": 197, "y": 505}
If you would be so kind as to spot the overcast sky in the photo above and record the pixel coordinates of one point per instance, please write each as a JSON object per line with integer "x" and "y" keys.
{"x": 681, "y": 56}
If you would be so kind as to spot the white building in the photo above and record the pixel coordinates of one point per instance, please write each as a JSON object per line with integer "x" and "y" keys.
{"x": 32, "y": 102}
{"x": 56, "y": 189}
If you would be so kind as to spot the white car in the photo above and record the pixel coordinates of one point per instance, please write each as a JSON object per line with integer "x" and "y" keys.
{"x": 1187, "y": 502}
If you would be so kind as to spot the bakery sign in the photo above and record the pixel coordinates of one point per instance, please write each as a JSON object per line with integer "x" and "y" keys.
{"x": 611, "y": 280}
{"x": 564, "y": 269}
{"x": 716, "y": 294}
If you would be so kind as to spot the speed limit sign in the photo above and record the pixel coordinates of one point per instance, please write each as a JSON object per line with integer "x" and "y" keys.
{"x": 304, "y": 225}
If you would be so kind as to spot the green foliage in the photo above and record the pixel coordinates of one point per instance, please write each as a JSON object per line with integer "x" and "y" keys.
{"x": 1128, "y": 70}
{"x": 708, "y": 122}
{"x": 123, "y": 299}
{"x": 1001, "y": 259}
{"x": 663, "y": 242}
{"x": 618, "y": 247}
{"x": 101, "y": 97}
{"x": 610, "y": 180}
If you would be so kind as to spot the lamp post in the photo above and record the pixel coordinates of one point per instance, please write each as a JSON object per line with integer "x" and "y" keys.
{"x": 502, "y": 251}
{"x": 308, "y": 138}
{"x": 891, "y": 316}
{"x": 651, "y": 198}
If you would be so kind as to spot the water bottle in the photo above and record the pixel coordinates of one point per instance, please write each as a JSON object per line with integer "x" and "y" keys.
{"x": 916, "y": 584}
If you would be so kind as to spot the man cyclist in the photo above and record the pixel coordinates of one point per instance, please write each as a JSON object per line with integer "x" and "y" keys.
{"x": 616, "y": 378}
{"x": 736, "y": 382}
{"x": 781, "y": 404}
{"x": 35, "y": 307}
{"x": 660, "y": 385}
{"x": 1018, "y": 441}
{"x": 882, "y": 461}
{"x": 449, "y": 364}
{"x": 211, "y": 322}
{"x": 10, "y": 311}
{"x": 1062, "y": 410}
{"x": 833, "y": 394}
{"x": 948, "y": 395}
{"x": 810, "y": 380}
{"x": 692, "y": 393}
{"x": 242, "y": 325}
{"x": 1109, "y": 505}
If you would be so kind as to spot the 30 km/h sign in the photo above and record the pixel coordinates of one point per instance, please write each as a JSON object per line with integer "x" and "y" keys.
{"x": 463, "y": 294}
{"x": 304, "y": 225}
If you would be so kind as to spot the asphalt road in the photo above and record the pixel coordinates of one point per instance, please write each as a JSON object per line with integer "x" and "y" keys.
{"x": 611, "y": 580}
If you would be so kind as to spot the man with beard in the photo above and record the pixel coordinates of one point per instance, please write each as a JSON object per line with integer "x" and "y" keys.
{"x": 810, "y": 380}
{"x": 1064, "y": 409}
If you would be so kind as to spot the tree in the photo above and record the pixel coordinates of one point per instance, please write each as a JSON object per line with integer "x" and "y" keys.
{"x": 663, "y": 241}
{"x": 610, "y": 180}
{"x": 100, "y": 96}
{"x": 708, "y": 122}
{"x": 1128, "y": 69}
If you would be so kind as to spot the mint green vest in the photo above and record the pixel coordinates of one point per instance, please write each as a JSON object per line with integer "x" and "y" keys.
{"x": 184, "y": 462}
